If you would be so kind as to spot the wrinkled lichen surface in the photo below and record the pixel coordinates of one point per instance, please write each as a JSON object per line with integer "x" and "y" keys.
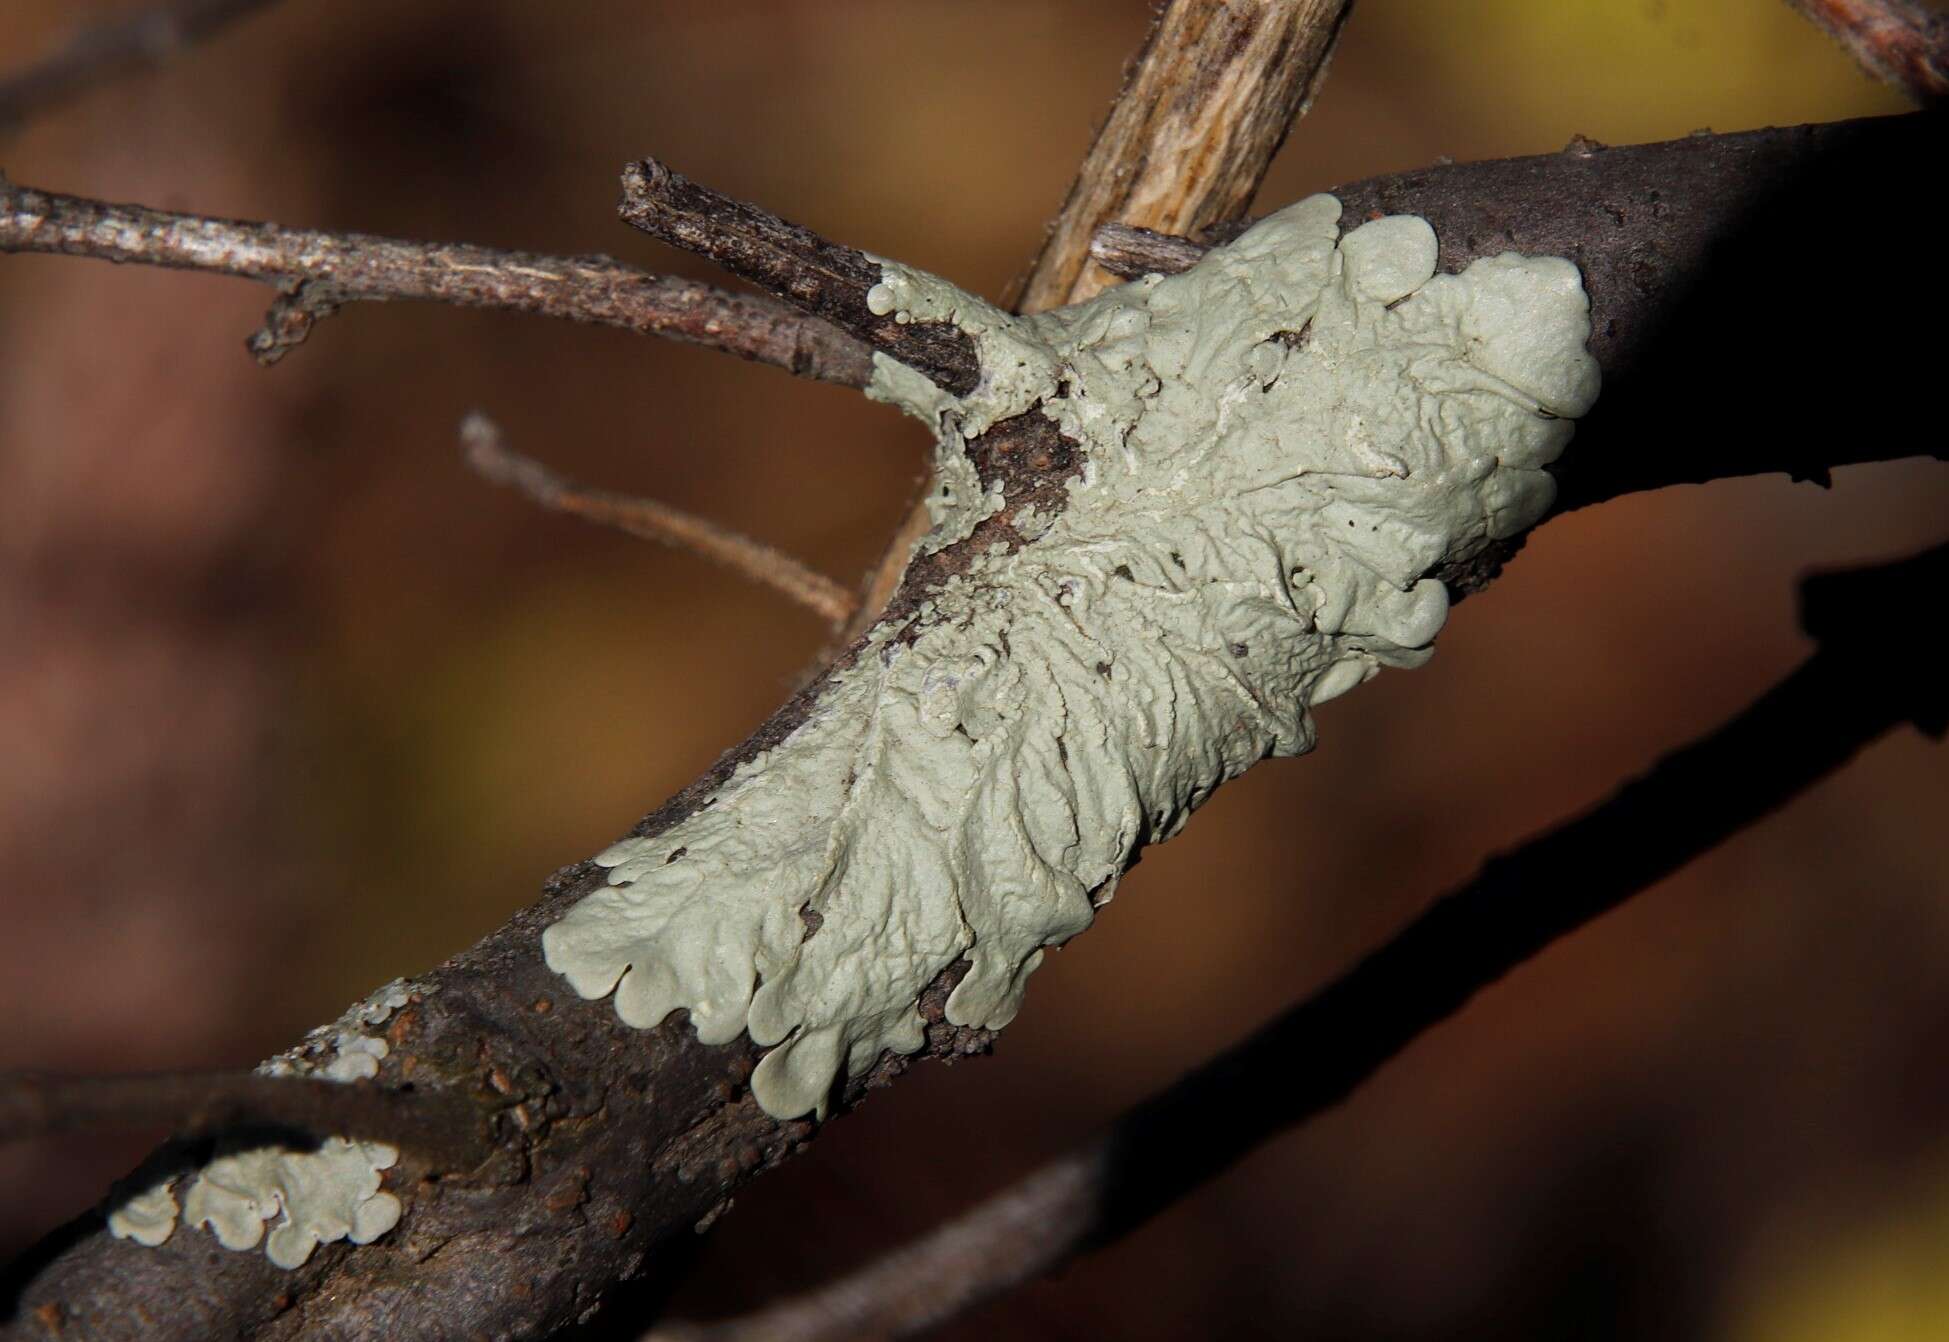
{"x": 1277, "y": 447}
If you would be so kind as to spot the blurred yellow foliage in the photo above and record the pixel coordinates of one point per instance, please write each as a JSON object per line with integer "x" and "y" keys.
{"x": 1628, "y": 70}
{"x": 1882, "y": 1280}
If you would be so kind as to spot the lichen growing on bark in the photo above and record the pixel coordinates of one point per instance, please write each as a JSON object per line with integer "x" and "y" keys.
{"x": 1277, "y": 447}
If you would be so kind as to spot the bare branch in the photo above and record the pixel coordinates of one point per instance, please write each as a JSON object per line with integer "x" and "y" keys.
{"x": 93, "y": 56}
{"x": 1203, "y": 110}
{"x": 488, "y": 453}
{"x": 821, "y": 277}
{"x": 1901, "y": 42}
{"x": 320, "y": 270}
{"x": 1315, "y": 1055}
{"x": 445, "y": 1128}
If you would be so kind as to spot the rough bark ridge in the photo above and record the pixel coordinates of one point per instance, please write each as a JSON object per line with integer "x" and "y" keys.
{"x": 612, "y": 1143}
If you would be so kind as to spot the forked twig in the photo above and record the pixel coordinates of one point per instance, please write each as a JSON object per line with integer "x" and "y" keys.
{"x": 319, "y": 271}
{"x": 488, "y": 453}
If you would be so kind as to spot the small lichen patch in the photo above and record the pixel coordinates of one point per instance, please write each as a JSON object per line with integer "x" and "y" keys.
{"x": 307, "y": 1198}
{"x": 1277, "y": 447}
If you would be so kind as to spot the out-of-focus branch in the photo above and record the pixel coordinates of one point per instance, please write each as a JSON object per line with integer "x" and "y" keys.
{"x": 1204, "y": 107}
{"x": 1315, "y": 1055}
{"x": 319, "y": 271}
{"x": 821, "y": 277}
{"x": 488, "y": 453}
{"x": 451, "y": 1132}
{"x": 95, "y": 55}
{"x": 1901, "y": 42}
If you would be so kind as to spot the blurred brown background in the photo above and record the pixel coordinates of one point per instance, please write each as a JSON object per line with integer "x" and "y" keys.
{"x": 291, "y": 704}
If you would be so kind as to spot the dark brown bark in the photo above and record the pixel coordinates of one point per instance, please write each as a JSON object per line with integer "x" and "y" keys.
{"x": 618, "y": 1142}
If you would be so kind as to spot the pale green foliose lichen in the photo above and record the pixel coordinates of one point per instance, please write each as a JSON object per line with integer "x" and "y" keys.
{"x": 1279, "y": 444}
{"x": 306, "y": 1198}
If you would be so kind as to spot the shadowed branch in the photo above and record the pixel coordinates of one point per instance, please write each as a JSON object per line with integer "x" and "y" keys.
{"x": 1318, "y": 1053}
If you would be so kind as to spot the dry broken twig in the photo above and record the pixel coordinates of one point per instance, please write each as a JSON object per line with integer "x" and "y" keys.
{"x": 1901, "y": 42}
{"x": 824, "y": 278}
{"x": 93, "y": 56}
{"x": 320, "y": 271}
{"x": 488, "y": 453}
{"x": 1203, "y": 109}
{"x": 1315, "y": 1055}
{"x": 447, "y": 1129}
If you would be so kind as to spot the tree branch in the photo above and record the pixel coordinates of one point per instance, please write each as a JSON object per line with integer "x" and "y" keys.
{"x": 621, "y": 1141}
{"x": 1320, "y": 1051}
{"x": 95, "y": 55}
{"x": 448, "y": 1130}
{"x": 1693, "y": 253}
{"x": 319, "y": 271}
{"x": 1204, "y": 108}
{"x": 488, "y": 453}
{"x": 1901, "y": 42}
{"x": 820, "y": 277}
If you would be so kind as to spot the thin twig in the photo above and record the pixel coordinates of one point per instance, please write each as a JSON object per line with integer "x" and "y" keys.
{"x": 821, "y": 277}
{"x": 1311, "y": 1058}
{"x": 488, "y": 453}
{"x": 95, "y": 55}
{"x": 1204, "y": 108}
{"x": 445, "y": 1128}
{"x": 320, "y": 270}
{"x": 1902, "y": 42}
